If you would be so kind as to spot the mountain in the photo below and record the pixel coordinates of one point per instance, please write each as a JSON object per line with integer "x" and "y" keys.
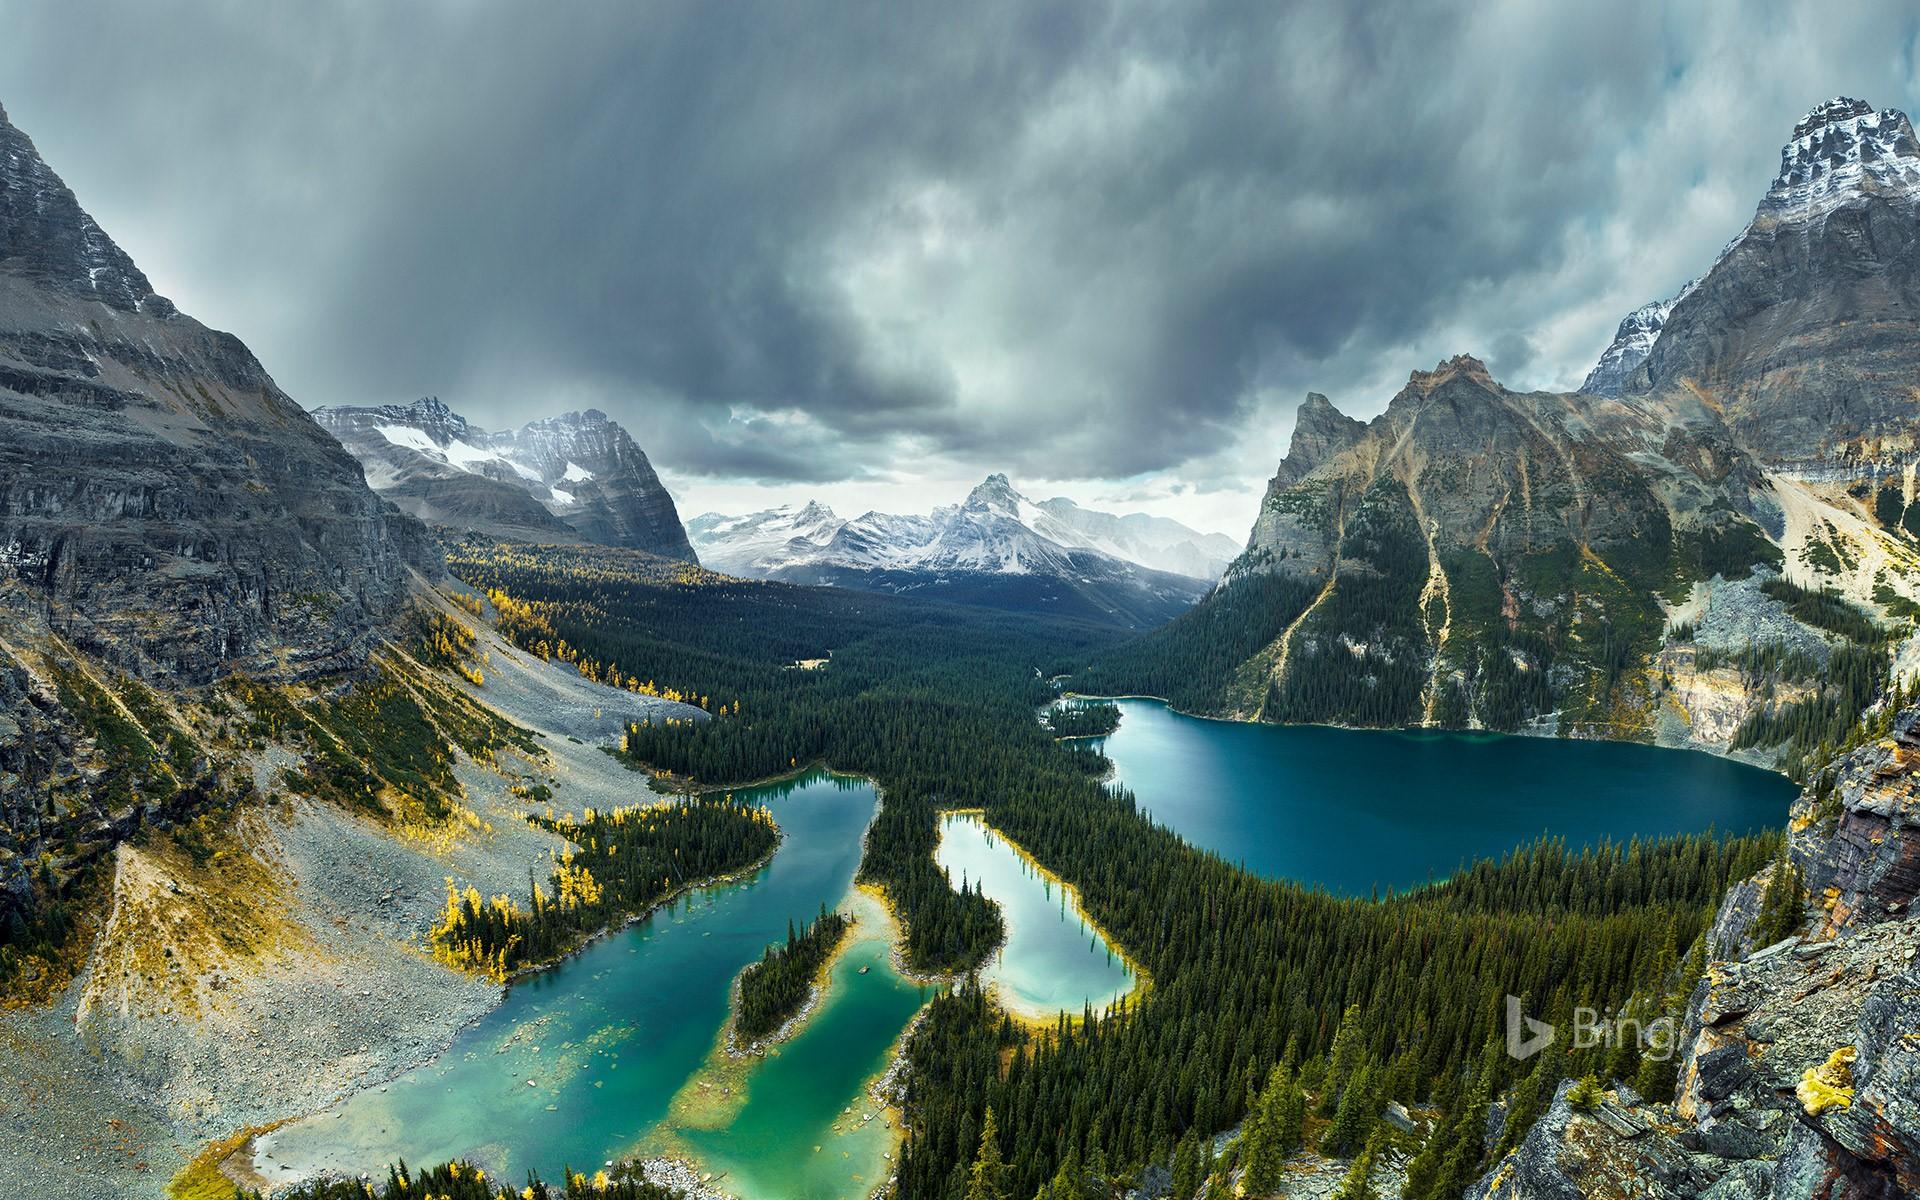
{"x": 166, "y": 506}
{"x": 574, "y": 477}
{"x": 1734, "y": 480}
{"x": 996, "y": 547}
{"x": 1803, "y": 330}
{"x": 1157, "y": 542}
{"x": 1629, "y": 348}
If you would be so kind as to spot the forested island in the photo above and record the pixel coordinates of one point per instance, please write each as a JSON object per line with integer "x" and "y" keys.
{"x": 774, "y": 989}
{"x": 1074, "y": 718}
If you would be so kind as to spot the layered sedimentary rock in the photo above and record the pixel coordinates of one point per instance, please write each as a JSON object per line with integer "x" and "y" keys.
{"x": 162, "y": 503}
{"x": 1803, "y": 333}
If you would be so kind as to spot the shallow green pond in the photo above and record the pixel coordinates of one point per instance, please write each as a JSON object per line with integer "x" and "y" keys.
{"x": 580, "y": 1064}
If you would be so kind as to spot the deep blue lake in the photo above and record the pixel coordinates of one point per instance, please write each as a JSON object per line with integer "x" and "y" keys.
{"x": 1350, "y": 810}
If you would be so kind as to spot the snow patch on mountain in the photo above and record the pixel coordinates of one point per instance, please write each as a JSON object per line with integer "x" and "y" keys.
{"x": 996, "y": 529}
{"x": 580, "y": 467}
{"x": 1631, "y": 344}
{"x": 1838, "y": 151}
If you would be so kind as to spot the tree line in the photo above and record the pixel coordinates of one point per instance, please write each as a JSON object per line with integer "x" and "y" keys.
{"x": 621, "y": 863}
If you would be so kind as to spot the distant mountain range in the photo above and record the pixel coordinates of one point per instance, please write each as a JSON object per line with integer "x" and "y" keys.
{"x": 574, "y": 477}
{"x": 996, "y": 547}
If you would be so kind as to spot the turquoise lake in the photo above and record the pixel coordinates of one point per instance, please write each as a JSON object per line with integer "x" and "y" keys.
{"x": 1351, "y": 810}
{"x": 1053, "y": 960}
{"x": 614, "y": 1052}
{"x": 587, "y": 1062}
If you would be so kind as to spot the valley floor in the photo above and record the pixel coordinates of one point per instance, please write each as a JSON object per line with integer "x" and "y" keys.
{"x": 109, "y": 1092}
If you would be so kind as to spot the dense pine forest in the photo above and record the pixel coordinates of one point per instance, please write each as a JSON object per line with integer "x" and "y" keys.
{"x": 774, "y": 988}
{"x": 1250, "y": 975}
{"x": 1083, "y": 718}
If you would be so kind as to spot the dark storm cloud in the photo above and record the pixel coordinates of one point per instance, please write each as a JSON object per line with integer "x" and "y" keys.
{"x": 805, "y": 242}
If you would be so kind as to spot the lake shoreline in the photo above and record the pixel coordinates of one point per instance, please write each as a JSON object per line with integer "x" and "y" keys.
{"x": 1295, "y": 803}
{"x": 1032, "y": 1018}
{"x": 1530, "y": 732}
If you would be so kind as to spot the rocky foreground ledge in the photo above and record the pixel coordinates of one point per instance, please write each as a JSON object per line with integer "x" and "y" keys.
{"x": 1800, "y": 1077}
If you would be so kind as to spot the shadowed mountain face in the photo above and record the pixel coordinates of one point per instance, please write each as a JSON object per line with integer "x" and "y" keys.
{"x": 162, "y": 502}
{"x": 575, "y": 477}
{"x": 1477, "y": 557}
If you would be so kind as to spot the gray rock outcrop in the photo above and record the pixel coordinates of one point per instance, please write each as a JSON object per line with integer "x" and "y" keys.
{"x": 163, "y": 504}
{"x": 1800, "y": 1070}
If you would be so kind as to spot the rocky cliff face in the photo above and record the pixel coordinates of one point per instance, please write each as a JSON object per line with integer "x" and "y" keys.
{"x": 1475, "y": 556}
{"x": 569, "y": 478}
{"x": 1488, "y": 539}
{"x": 1320, "y": 431}
{"x": 162, "y": 503}
{"x": 1800, "y": 1067}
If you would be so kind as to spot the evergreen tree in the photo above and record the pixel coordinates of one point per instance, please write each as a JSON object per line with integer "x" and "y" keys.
{"x": 1354, "y": 1120}
{"x": 1587, "y": 1094}
{"x": 1449, "y": 1161}
{"x": 1357, "y": 1184}
{"x": 984, "y": 1182}
{"x": 1262, "y": 1158}
{"x": 1289, "y": 1117}
{"x": 1784, "y": 908}
{"x": 1066, "y": 1180}
{"x": 1187, "y": 1166}
{"x": 1342, "y": 1061}
{"x": 1096, "y": 1183}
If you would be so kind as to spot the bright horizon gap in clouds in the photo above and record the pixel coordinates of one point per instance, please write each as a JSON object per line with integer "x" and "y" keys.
{"x": 810, "y": 254}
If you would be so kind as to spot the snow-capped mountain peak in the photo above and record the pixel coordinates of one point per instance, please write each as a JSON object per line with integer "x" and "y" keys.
{"x": 995, "y": 528}
{"x": 1839, "y": 150}
{"x": 996, "y": 546}
{"x": 581, "y": 470}
{"x": 994, "y": 494}
{"x": 1630, "y": 346}
{"x": 1844, "y": 150}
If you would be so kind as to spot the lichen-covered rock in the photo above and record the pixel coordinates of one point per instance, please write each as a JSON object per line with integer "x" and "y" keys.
{"x": 1800, "y": 1070}
{"x": 1858, "y": 847}
{"x": 1862, "y": 1121}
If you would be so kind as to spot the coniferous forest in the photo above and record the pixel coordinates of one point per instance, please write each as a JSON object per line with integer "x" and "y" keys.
{"x": 620, "y": 864}
{"x": 774, "y": 988}
{"x": 1250, "y": 975}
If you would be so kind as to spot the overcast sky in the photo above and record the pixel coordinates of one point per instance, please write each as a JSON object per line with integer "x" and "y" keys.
{"x": 871, "y": 252}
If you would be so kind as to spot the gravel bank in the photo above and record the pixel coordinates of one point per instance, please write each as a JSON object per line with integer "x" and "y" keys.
{"x": 114, "y": 1107}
